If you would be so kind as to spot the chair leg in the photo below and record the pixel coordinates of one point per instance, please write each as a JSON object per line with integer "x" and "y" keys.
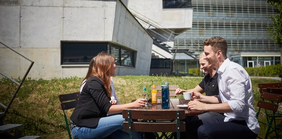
{"x": 276, "y": 128}
{"x": 269, "y": 126}
{"x": 67, "y": 124}
{"x": 258, "y": 113}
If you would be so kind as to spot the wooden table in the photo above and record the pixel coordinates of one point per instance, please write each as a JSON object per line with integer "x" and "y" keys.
{"x": 167, "y": 123}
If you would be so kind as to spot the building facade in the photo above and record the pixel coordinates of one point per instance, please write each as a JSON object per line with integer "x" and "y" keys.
{"x": 61, "y": 37}
{"x": 164, "y": 20}
{"x": 243, "y": 23}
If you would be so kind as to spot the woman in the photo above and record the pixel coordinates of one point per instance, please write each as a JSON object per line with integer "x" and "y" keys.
{"x": 94, "y": 116}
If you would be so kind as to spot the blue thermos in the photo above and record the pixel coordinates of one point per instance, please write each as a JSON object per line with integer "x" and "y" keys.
{"x": 165, "y": 96}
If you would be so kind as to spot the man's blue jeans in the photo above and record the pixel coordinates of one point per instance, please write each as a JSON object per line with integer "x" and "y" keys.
{"x": 212, "y": 126}
{"x": 216, "y": 128}
{"x": 108, "y": 126}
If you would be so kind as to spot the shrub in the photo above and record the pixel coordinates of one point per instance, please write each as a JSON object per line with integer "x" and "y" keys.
{"x": 194, "y": 71}
{"x": 272, "y": 71}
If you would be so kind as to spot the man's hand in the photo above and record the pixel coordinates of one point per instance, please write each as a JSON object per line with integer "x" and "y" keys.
{"x": 196, "y": 105}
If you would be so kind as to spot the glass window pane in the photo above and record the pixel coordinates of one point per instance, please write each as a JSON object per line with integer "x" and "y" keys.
{"x": 115, "y": 52}
{"x": 177, "y": 4}
{"x": 160, "y": 63}
{"x": 126, "y": 57}
{"x": 80, "y": 52}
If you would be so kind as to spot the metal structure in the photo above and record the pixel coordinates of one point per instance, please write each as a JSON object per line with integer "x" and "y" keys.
{"x": 19, "y": 84}
{"x": 243, "y": 23}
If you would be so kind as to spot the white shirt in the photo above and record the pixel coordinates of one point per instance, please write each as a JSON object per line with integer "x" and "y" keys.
{"x": 235, "y": 88}
{"x": 82, "y": 85}
{"x": 114, "y": 96}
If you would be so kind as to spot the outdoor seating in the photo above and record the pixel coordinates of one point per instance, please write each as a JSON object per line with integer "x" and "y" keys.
{"x": 275, "y": 90}
{"x": 264, "y": 86}
{"x": 68, "y": 101}
{"x": 172, "y": 89}
{"x": 164, "y": 123}
{"x": 173, "y": 97}
{"x": 268, "y": 106}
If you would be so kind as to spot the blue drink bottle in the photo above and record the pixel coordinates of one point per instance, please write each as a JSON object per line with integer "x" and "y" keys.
{"x": 165, "y": 97}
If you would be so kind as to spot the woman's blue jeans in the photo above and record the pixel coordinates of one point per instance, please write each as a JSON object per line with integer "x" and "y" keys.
{"x": 108, "y": 126}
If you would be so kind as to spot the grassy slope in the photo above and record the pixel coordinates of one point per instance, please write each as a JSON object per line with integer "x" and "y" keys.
{"x": 37, "y": 105}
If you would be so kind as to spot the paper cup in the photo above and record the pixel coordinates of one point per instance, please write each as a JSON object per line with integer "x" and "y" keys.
{"x": 187, "y": 95}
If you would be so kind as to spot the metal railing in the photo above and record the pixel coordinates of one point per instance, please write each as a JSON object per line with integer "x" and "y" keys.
{"x": 19, "y": 84}
{"x": 159, "y": 32}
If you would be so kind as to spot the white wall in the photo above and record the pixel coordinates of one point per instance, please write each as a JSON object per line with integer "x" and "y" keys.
{"x": 35, "y": 29}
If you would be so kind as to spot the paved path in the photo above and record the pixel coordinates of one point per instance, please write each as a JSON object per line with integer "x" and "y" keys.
{"x": 274, "y": 78}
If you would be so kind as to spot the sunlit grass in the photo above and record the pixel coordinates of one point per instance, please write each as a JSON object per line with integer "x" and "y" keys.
{"x": 37, "y": 105}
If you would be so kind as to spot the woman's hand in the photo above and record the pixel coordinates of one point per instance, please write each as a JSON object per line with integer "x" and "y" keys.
{"x": 139, "y": 103}
{"x": 196, "y": 95}
{"x": 178, "y": 91}
{"x": 113, "y": 102}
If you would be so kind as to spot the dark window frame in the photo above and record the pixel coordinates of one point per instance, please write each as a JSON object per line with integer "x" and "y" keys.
{"x": 169, "y": 4}
{"x": 161, "y": 63}
{"x": 78, "y": 56}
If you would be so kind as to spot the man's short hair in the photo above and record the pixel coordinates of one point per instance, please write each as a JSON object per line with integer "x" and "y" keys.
{"x": 217, "y": 43}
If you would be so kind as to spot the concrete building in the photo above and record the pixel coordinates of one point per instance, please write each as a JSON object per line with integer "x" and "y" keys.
{"x": 243, "y": 23}
{"x": 62, "y": 36}
{"x": 164, "y": 20}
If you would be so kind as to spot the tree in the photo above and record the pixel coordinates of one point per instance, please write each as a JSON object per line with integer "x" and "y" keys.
{"x": 276, "y": 28}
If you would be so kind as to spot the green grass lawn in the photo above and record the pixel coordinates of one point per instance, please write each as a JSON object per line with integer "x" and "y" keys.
{"x": 37, "y": 105}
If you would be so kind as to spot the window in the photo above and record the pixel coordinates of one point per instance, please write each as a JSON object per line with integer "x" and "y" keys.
{"x": 250, "y": 64}
{"x": 80, "y": 53}
{"x": 124, "y": 57}
{"x": 160, "y": 63}
{"x": 177, "y": 4}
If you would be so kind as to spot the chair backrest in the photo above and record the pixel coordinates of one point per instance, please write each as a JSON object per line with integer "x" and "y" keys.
{"x": 269, "y": 101}
{"x": 142, "y": 120}
{"x": 269, "y": 105}
{"x": 263, "y": 86}
{"x": 266, "y": 85}
{"x": 275, "y": 90}
{"x": 172, "y": 89}
{"x": 68, "y": 101}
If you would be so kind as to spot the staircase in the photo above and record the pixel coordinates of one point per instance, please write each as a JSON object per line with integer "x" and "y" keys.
{"x": 161, "y": 36}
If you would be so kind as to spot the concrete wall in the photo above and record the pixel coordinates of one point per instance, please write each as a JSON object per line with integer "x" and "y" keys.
{"x": 168, "y": 18}
{"x": 35, "y": 29}
{"x": 128, "y": 32}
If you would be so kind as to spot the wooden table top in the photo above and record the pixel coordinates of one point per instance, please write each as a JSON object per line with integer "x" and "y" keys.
{"x": 158, "y": 107}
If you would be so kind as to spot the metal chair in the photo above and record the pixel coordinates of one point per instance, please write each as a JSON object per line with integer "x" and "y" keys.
{"x": 269, "y": 103}
{"x": 68, "y": 101}
{"x": 169, "y": 121}
{"x": 263, "y": 86}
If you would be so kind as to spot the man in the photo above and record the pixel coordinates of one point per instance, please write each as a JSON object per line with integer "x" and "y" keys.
{"x": 235, "y": 98}
{"x": 208, "y": 85}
